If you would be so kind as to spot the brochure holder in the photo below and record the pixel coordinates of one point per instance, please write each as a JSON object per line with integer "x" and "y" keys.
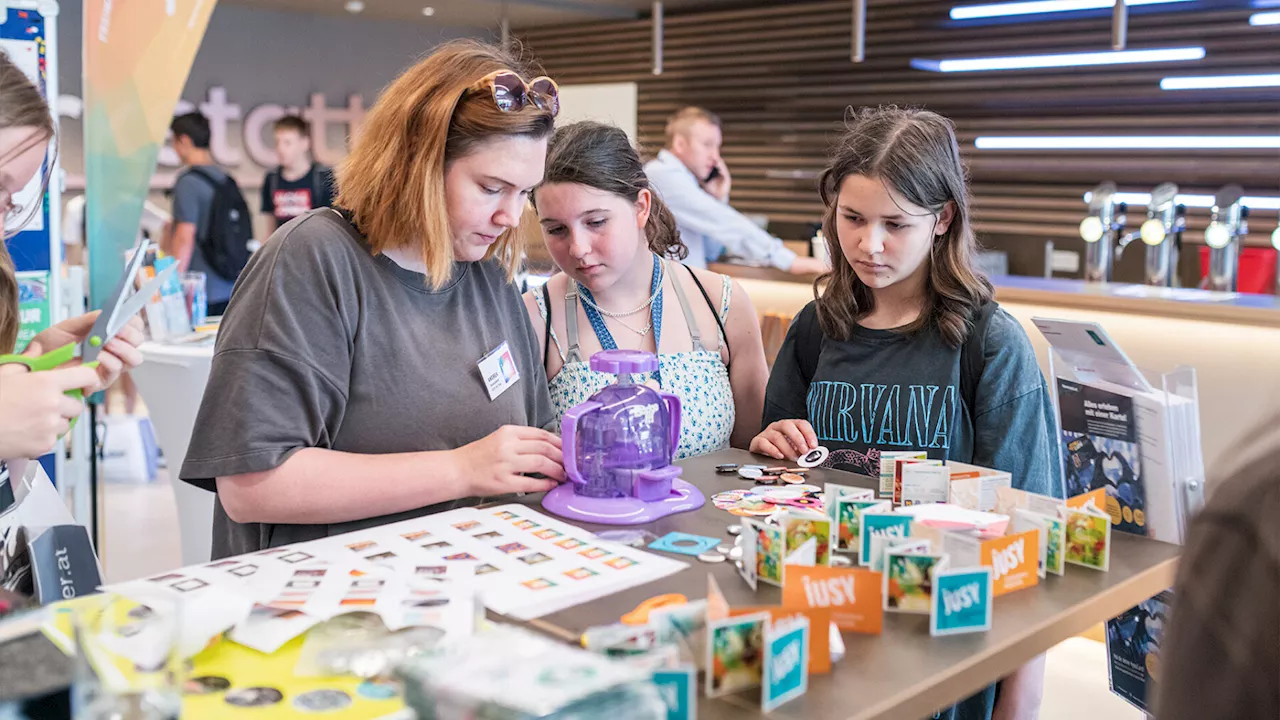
{"x": 1156, "y": 417}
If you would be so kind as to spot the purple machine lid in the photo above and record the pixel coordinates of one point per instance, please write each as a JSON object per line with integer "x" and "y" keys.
{"x": 619, "y": 445}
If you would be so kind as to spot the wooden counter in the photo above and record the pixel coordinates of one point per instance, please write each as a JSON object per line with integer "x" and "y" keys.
{"x": 1184, "y": 303}
{"x": 903, "y": 672}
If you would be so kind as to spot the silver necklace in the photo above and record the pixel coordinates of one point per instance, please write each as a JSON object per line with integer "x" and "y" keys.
{"x": 615, "y": 315}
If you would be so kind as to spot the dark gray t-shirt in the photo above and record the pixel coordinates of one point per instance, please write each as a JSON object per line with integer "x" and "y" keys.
{"x": 883, "y": 390}
{"x": 332, "y": 347}
{"x": 193, "y": 203}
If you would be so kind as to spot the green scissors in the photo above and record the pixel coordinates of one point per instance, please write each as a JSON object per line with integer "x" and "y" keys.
{"x": 119, "y": 309}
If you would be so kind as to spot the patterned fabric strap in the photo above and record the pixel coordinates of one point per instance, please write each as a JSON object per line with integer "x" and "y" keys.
{"x": 602, "y": 330}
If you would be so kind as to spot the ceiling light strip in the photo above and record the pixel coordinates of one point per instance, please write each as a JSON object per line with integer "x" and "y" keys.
{"x": 1042, "y": 7}
{"x": 1130, "y": 142}
{"x": 1026, "y": 62}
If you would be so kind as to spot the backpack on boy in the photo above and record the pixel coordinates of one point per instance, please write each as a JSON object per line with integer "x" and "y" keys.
{"x": 226, "y": 242}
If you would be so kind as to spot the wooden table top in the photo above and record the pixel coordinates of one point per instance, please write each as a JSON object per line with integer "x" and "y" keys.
{"x": 903, "y": 672}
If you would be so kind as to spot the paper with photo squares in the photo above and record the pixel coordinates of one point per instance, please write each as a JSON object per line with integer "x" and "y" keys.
{"x": 801, "y": 526}
{"x": 1088, "y": 538}
{"x": 1008, "y": 500}
{"x": 899, "y": 466}
{"x": 888, "y": 464}
{"x": 832, "y": 494}
{"x": 881, "y": 546}
{"x": 767, "y": 543}
{"x": 908, "y": 581}
{"x": 818, "y": 617}
{"x": 735, "y": 654}
{"x": 748, "y": 568}
{"x": 974, "y": 488}
{"x": 924, "y": 484}
{"x": 848, "y": 516}
{"x": 1053, "y": 539}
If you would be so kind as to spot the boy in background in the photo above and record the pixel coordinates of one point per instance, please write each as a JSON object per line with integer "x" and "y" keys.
{"x": 299, "y": 183}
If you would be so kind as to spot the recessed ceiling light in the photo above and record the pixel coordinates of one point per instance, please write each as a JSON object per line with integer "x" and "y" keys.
{"x": 428, "y": 11}
{"x": 354, "y": 6}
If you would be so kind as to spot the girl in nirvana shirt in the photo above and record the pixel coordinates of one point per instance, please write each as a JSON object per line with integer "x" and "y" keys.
{"x": 904, "y": 348}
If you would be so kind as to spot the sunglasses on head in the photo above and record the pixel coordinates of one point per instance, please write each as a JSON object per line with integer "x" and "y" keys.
{"x": 511, "y": 93}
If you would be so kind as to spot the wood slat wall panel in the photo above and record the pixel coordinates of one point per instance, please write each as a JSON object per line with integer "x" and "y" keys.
{"x": 780, "y": 77}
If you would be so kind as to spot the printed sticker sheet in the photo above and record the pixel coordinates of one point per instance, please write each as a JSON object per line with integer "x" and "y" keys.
{"x": 521, "y": 563}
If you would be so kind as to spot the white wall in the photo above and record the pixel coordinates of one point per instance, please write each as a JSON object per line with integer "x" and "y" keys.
{"x": 613, "y": 103}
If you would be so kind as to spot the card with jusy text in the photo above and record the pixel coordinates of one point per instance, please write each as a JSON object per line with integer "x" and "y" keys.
{"x": 962, "y": 602}
{"x": 786, "y": 662}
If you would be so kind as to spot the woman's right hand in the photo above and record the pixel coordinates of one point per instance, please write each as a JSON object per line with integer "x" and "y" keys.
{"x": 785, "y": 440}
{"x": 34, "y": 409}
{"x": 501, "y": 462}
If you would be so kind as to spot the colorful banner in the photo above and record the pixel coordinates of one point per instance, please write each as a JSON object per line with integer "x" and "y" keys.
{"x": 136, "y": 59}
{"x": 33, "y": 305}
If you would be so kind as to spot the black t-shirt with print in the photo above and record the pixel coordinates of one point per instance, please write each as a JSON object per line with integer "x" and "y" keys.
{"x": 287, "y": 199}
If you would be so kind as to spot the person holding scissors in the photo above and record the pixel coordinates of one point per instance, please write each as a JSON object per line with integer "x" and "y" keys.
{"x": 376, "y": 362}
{"x": 34, "y": 407}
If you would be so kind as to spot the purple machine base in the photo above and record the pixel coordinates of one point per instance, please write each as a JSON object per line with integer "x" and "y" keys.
{"x": 566, "y": 503}
{"x": 618, "y": 448}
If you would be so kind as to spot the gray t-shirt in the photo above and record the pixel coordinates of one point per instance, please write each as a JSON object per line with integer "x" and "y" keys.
{"x": 335, "y": 348}
{"x": 193, "y": 203}
{"x": 883, "y": 390}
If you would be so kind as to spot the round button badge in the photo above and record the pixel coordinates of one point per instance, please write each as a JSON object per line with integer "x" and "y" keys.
{"x": 814, "y": 457}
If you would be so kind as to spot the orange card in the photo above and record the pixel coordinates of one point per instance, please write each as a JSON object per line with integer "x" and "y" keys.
{"x": 819, "y": 631}
{"x": 1014, "y": 561}
{"x": 852, "y": 594}
{"x": 1099, "y": 498}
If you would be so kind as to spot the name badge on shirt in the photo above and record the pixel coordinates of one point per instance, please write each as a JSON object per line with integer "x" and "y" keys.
{"x": 499, "y": 370}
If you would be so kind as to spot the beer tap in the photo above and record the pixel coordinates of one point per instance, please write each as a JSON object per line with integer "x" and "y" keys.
{"x": 1229, "y": 223}
{"x": 1100, "y": 230}
{"x": 1165, "y": 218}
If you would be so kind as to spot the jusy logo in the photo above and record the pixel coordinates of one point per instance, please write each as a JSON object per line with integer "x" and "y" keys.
{"x": 1009, "y": 559}
{"x": 961, "y": 598}
{"x": 829, "y": 592}
{"x": 1013, "y": 561}
{"x": 785, "y": 662}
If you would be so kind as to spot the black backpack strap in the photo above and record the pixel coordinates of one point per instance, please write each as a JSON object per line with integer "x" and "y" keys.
{"x": 715, "y": 312}
{"x": 546, "y": 340}
{"x": 200, "y": 173}
{"x": 317, "y": 179}
{"x": 973, "y": 356}
{"x": 808, "y": 342}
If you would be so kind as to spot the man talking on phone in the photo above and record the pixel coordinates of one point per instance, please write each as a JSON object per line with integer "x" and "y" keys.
{"x": 694, "y": 182}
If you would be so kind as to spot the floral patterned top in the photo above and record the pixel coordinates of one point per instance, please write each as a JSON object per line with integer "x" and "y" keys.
{"x": 698, "y": 377}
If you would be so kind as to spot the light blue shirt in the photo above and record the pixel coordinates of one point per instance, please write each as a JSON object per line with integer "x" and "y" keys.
{"x": 708, "y": 226}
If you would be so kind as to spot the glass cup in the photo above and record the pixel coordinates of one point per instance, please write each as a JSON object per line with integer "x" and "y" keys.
{"x": 128, "y": 665}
